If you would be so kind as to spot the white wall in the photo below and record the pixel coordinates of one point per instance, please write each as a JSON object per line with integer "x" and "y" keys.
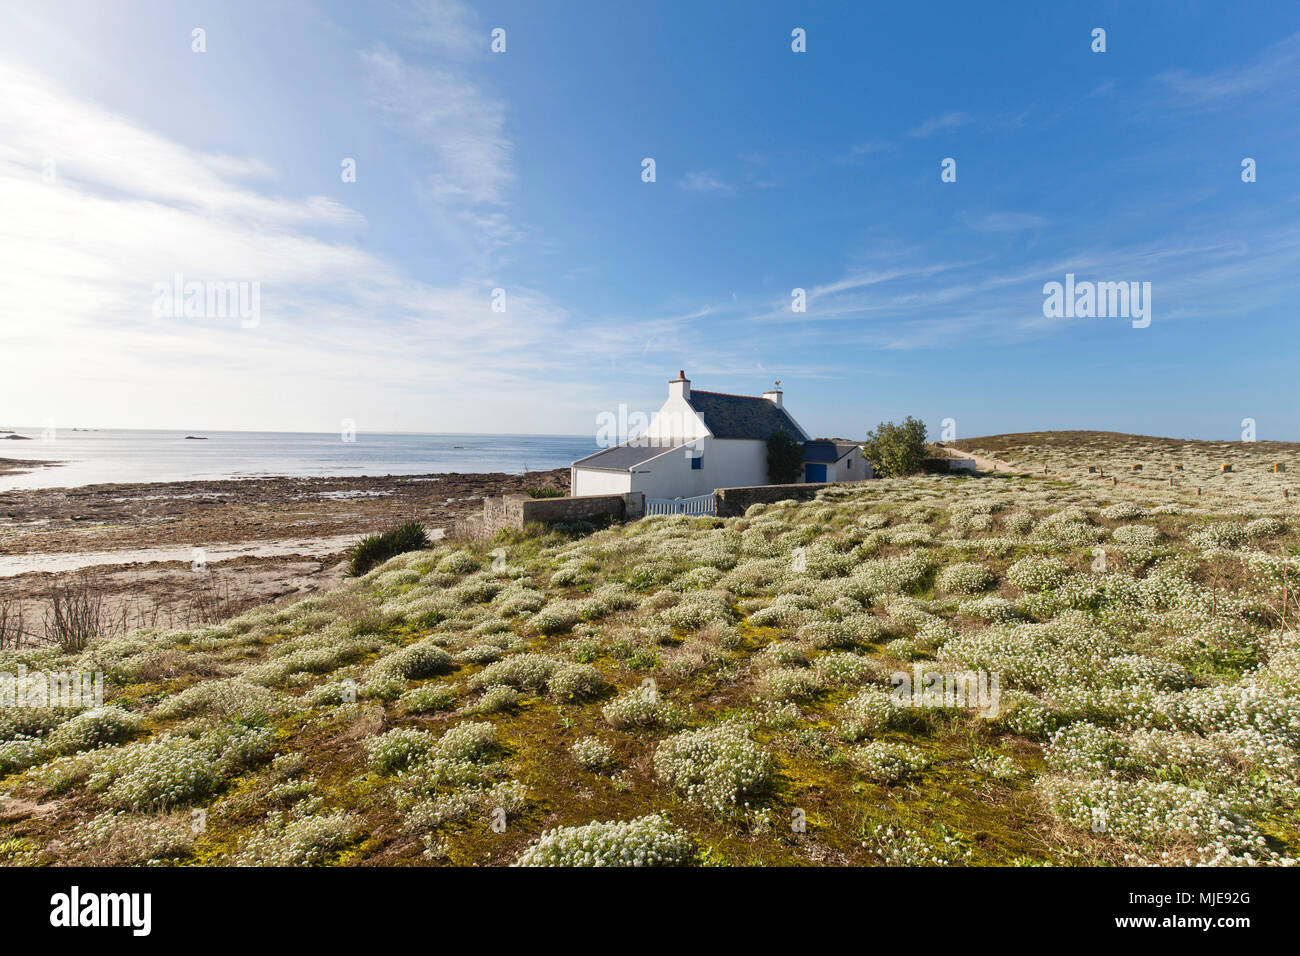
{"x": 739, "y": 464}
{"x": 589, "y": 481}
{"x": 841, "y": 471}
{"x": 725, "y": 464}
{"x": 670, "y": 475}
{"x": 676, "y": 419}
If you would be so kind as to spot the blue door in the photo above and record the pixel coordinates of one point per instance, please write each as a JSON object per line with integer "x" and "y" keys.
{"x": 813, "y": 472}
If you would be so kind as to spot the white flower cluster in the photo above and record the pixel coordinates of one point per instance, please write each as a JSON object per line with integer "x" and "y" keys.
{"x": 887, "y": 762}
{"x": 715, "y": 766}
{"x": 592, "y": 753}
{"x": 398, "y": 748}
{"x": 290, "y": 840}
{"x": 789, "y": 683}
{"x": 641, "y": 707}
{"x": 696, "y": 610}
{"x": 527, "y": 672}
{"x": 646, "y": 841}
{"x": 1038, "y": 573}
{"x": 964, "y": 578}
{"x": 93, "y": 729}
{"x": 1157, "y": 812}
{"x": 997, "y": 766}
{"x": 899, "y": 846}
{"x": 867, "y": 714}
{"x": 117, "y": 838}
{"x": 172, "y": 770}
{"x": 576, "y": 682}
{"x": 233, "y": 699}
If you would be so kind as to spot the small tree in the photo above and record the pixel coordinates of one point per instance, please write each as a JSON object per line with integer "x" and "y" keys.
{"x": 784, "y": 458}
{"x": 896, "y": 450}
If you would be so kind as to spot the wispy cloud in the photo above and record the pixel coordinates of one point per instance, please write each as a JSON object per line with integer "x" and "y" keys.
{"x": 924, "y": 301}
{"x": 1005, "y": 222}
{"x": 705, "y": 182}
{"x": 1275, "y": 69}
{"x": 463, "y": 129}
{"x": 342, "y": 332}
{"x": 448, "y": 26}
{"x": 940, "y": 124}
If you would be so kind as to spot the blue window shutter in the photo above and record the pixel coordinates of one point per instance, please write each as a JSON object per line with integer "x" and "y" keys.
{"x": 697, "y": 463}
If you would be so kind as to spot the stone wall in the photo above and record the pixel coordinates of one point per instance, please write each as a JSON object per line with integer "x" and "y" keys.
{"x": 515, "y": 511}
{"x": 732, "y": 502}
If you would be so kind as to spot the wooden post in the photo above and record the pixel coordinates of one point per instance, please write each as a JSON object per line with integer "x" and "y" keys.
{"x": 1114, "y": 481}
{"x": 1198, "y": 491}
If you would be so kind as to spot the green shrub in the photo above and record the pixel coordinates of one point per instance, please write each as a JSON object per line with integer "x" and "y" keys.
{"x": 545, "y": 491}
{"x": 378, "y": 548}
{"x": 896, "y": 450}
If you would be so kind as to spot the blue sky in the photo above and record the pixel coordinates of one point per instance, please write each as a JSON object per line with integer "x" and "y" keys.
{"x": 127, "y": 158}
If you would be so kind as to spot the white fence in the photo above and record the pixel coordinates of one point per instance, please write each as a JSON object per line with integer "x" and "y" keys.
{"x": 699, "y": 505}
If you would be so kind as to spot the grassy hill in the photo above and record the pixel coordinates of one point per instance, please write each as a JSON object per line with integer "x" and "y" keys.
{"x": 721, "y": 692}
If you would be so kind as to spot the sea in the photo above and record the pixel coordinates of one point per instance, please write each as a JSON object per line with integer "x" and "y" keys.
{"x": 96, "y": 456}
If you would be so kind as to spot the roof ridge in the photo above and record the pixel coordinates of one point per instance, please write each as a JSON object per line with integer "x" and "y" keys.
{"x": 702, "y": 391}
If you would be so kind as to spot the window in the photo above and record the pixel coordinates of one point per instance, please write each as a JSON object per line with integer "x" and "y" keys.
{"x": 850, "y": 462}
{"x": 697, "y": 462}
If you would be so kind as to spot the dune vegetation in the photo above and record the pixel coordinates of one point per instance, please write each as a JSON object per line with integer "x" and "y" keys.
{"x": 700, "y": 691}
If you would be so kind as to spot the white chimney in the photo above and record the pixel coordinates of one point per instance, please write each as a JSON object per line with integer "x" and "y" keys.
{"x": 680, "y": 387}
{"x": 773, "y": 395}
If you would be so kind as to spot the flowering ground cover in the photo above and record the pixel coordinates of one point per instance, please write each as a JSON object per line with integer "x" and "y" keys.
{"x": 720, "y": 692}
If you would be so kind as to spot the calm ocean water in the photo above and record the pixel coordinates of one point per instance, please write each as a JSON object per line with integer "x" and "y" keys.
{"x": 119, "y": 455}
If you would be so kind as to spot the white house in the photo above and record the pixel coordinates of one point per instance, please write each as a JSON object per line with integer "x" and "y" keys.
{"x": 700, "y": 441}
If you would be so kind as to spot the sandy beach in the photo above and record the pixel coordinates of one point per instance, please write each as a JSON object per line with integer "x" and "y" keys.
{"x": 258, "y": 539}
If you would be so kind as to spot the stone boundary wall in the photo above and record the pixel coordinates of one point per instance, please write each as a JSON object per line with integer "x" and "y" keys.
{"x": 941, "y": 465}
{"x": 732, "y": 502}
{"x": 515, "y": 511}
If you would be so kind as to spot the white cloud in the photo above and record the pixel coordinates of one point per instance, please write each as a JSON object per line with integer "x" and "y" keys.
{"x": 939, "y": 124}
{"x": 705, "y": 182}
{"x": 343, "y": 333}
{"x": 462, "y": 128}
{"x": 1275, "y": 68}
{"x": 1006, "y": 222}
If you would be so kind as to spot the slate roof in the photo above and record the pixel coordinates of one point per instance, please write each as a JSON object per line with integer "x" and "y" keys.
{"x": 626, "y": 456}
{"x": 741, "y": 416}
{"x": 826, "y": 450}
